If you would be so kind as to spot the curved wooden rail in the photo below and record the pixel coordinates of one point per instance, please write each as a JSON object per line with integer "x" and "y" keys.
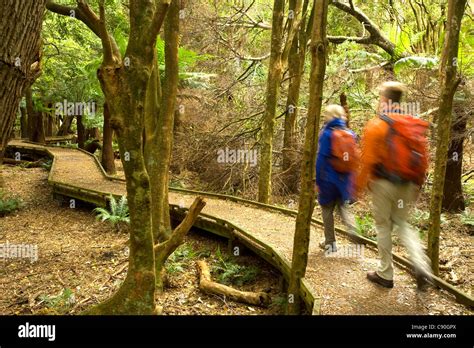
{"x": 209, "y": 222}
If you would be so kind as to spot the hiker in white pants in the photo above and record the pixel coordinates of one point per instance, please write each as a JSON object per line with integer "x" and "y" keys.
{"x": 394, "y": 162}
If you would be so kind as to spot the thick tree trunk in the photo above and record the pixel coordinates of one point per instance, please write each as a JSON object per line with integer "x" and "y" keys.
{"x": 448, "y": 84}
{"x": 308, "y": 166}
{"x": 272, "y": 93}
{"x": 124, "y": 84}
{"x": 20, "y": 28}
{"x": 108, "y": 161}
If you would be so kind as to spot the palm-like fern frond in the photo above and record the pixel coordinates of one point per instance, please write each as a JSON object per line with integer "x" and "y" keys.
{"x": 118, "y": 212}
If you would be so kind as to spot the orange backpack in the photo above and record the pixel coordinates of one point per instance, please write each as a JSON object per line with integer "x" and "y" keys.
{"x": 407, "y": 148}
{"x": 345, "y": 151}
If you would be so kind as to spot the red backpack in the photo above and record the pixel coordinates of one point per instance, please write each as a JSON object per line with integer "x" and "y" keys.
{"x": 345, "y": 151}
{"x": 407, "y": 148}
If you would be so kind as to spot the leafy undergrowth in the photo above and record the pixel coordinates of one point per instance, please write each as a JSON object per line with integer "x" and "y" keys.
{"x": 8, "y": 204}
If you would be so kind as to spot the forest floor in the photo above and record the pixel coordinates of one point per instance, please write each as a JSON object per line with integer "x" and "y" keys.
{"x": 82, "y": 261}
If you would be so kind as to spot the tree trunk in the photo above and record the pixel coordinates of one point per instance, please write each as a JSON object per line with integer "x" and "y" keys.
{"x": 108, "y": 161}
{"x": 125, "y": 85}
{"x": 308, "y": 166}
{"x": 65, "y": 127}
{"x": 23, "y": 123}
{"x": 48, "y": 120}
{"x": 81, "y": 132}
{"x": 295, "y": 69}
{"x": 272, "y": 92}
{"x": 93, "y": 133}
{"x": 453, "y": 199}
{"x": 35, "y": 120}
{"x": 20, "y": 45}
{"x": 159, "y": 132}
{"x": 448, "y": 85}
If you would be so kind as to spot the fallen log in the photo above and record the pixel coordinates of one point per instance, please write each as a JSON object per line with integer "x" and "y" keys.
{"x": 207, "y": 285}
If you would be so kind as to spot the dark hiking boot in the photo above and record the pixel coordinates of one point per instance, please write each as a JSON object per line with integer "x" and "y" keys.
{"x": 375, "y": 278}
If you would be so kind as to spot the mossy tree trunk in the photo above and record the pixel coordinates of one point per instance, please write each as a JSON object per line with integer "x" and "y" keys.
{"x": 161, "y": 104}
{"x": 296, "y": 62}
{"x": 20, "y": 48}
{"x": 449, "y": 82}
{"x": 272, "y": 93}
{"x": 107, "y": 160}
{"x": 126, "y": 83}
{"x": 318, "y": 51}
{"x": 159, "y": 128}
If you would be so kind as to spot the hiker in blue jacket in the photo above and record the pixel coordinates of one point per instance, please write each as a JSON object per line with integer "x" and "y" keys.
{"x": 334, "y": 188}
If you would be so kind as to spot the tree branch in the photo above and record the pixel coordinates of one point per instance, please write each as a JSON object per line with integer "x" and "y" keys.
{"x": 104, "y": 35}
{"x": 86, "y": 15}
{"x": 159, "y": 17}
{"x": 376, "y": 36}
{"x": 163, "y": 250}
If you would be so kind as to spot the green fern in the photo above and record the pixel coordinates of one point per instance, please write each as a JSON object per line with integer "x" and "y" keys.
{"x": 229, "y": 272}
{"x": 8, "y": 204}
{"x": 117, "y": 214}
{"x": 467, "y": 218}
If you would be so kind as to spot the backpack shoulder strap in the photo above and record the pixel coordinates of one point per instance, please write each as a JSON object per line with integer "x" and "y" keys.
{"x": 386, "y": 118}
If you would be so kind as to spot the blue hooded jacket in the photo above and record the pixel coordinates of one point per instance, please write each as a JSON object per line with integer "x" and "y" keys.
{"x": 332, "y": 185}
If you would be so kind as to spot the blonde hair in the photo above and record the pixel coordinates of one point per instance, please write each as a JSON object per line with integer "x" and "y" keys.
{"x": 333, "y": 111}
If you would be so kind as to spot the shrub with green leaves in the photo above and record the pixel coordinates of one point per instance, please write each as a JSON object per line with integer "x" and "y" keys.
{"x": 117, "y": 213}
{"x": 365, "y": 226}
{"x": 61, "y": 303}
{"x": 8, "y": 204}
{"x": 230, "y": 272}
{"x": 421, "y": 218}
{"x": 467, "y": 218}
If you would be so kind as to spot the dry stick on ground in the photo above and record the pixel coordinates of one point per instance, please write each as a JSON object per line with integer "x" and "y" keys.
{"x": 207, "y": 285}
